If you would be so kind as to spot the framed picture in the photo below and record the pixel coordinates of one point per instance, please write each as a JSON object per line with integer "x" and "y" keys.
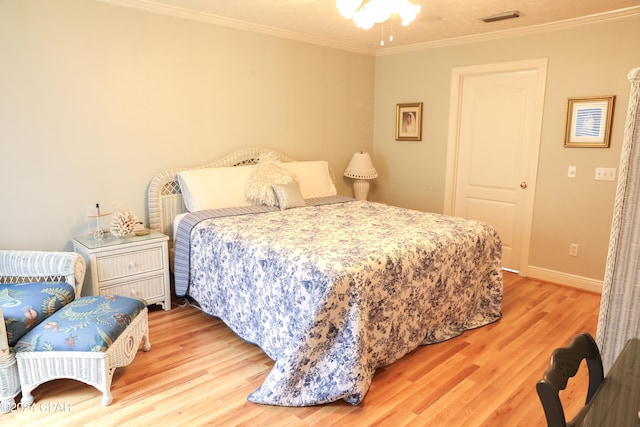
{"x": 589, "y": 122}
{"x": 409, "y": 122}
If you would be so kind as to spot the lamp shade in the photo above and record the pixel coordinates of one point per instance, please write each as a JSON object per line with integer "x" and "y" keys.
{"x": 361, "y": 167}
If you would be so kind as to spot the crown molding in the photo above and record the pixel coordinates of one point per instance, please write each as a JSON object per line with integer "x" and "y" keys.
{"x": 178, "y": 12}
{"x": 516, "y": 32}
{"x": 163, "y": 9}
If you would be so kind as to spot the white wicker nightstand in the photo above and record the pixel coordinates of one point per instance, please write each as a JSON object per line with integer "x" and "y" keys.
{"x": 128, "y": 266}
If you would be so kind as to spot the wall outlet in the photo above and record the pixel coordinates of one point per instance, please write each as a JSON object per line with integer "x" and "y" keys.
{"x": 573, "y": 249}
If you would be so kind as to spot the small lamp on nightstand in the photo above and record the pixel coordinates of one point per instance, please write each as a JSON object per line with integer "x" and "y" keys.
{"x": 361, "y": 169}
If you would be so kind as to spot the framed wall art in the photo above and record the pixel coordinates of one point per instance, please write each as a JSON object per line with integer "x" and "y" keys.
{"x": 409, "y": 122}
{"x": 589, "y": 121}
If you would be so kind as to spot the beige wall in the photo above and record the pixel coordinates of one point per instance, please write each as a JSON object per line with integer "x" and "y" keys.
{"x": 96, "y": 99}
{"x": 589, "y": 60}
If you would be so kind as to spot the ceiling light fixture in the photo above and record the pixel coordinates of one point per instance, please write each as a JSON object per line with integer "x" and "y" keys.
{"x": 501, "y": 16}
{"x": 365, "y": 14}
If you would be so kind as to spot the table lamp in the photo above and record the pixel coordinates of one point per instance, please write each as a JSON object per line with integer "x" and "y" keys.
{"x": 361, "y": 169}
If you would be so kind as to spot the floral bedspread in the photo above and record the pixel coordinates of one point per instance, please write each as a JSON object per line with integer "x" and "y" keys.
{"x": 333, "y": 292}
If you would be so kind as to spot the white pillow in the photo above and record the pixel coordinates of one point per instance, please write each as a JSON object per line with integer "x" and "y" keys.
{"x": 313, "y": 177}
{"x": 214, "y": 188}
{"x": 266, "y": 173}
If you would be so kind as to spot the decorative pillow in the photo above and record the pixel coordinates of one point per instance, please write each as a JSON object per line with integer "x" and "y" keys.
{"x": 214, "y": 188}
{"x": 288, "y": 195}
{"x": 25, "y": 305}
{"x": 313, "y": 177}
{"x": 87, "y": 324}
{"x": 269, "y": 171}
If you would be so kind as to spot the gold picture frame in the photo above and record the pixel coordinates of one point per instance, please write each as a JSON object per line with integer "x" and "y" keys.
{"x": 409, "y": 122}
{"x": 589, "y": 121}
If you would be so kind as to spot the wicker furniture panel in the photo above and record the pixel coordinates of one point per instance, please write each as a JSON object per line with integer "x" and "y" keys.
{"x": 93, "y": 367}
{"x": 150, "y": 289}
{"x": 30, "y": 266}
{"x": 130, "y": 263}
{"x": 619, "y": 315}
{"x": 9, "y": 380}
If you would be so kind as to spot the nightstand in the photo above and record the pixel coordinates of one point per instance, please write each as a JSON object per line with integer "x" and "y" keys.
{"x": 129, "y": 266}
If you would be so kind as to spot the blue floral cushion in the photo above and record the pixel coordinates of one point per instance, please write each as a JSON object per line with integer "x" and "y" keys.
{"x": 87, "y": 324}
{"x": 25, "y": 305}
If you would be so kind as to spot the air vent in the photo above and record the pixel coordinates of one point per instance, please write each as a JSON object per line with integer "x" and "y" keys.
{"x": 502, "y": 16}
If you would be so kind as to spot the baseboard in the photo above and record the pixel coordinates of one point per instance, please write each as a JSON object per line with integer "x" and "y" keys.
{"x": 565, "y": 279}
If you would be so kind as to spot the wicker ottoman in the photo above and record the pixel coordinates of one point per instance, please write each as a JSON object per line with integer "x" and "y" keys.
{"x": 86, "y": 340}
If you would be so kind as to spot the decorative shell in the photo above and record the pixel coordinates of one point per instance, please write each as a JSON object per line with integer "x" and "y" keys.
{"x": 123, "y": 223}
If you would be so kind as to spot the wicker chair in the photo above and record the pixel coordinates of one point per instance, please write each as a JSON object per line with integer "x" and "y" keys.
{"x": 24, "y": 267}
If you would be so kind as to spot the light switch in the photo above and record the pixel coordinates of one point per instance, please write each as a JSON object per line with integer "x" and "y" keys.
{"x": 605, "y": 174}
{"x": 572, "y": 172}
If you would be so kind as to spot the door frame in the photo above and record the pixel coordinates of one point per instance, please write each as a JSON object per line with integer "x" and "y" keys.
{"x": 458, "y": 75}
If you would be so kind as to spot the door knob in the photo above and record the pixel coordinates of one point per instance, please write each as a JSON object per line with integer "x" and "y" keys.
{"x": 523, "y": 185}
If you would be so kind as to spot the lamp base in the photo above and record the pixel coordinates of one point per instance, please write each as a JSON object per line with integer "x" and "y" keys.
{"x": 361, "y": 189}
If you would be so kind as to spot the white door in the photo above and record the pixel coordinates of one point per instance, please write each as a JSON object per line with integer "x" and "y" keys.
{"x": 494, "y": 137}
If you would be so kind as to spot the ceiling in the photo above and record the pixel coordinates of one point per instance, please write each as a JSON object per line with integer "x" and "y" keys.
{"x": 439, "y": 22}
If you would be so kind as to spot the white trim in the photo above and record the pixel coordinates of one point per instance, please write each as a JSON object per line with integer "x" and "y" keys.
{"x": 565, "y": 279}
{"x": 515, "y": 32}
{"x": 178, "y": 12}
{"x": 208, "y": 18}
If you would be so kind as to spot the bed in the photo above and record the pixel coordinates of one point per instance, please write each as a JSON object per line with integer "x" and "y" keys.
{"x": 330, "y": 288}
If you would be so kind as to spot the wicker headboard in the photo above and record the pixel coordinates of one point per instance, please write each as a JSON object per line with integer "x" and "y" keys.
{"x": 165, "y": 198}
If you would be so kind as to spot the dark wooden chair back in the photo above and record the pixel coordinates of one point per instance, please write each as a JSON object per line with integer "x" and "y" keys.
{"x": 564, "y": 364}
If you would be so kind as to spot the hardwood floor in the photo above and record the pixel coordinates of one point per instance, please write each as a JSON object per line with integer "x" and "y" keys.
{"x": 198, "y": 372}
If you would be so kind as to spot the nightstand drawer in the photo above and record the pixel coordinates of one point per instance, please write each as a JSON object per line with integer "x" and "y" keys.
{"x": 127, "y": 264}
{"x": 150, "y": 288}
